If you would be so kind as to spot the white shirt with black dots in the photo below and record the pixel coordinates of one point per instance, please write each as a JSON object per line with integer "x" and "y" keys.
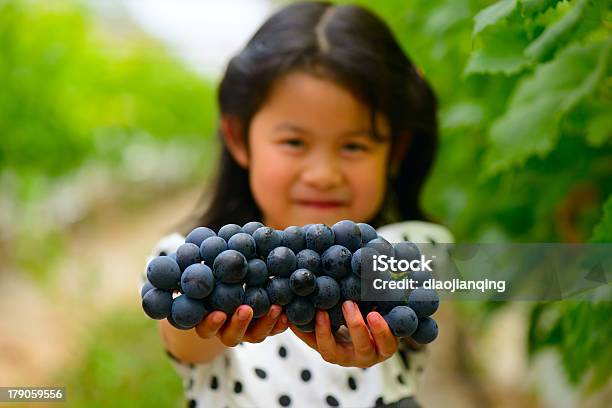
{"x": 283, "y": 371}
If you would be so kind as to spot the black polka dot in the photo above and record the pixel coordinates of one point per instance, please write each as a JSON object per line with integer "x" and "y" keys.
{"x": 352, "y": 384}
{"x": 364, "y": 368}
{"x": 282, "y": 351}
{"x": 305, "y": 374}
{"x": 163, "y": 253}
{"x": 237, "y": 387}
{"x": 214, "y": 382}
{"x": 400, "y": 379}
{"x": 192, "y": 403}
{"x": 227, "y": 361}
{"x": 379, "y": 402}
{"x": 332, "y": 401}
{"x": 190, "y": 384}
{"x": 284, "y": 401}
{"x": 260, "y": 373}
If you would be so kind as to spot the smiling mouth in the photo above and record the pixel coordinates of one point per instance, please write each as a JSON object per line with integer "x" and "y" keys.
{"x": 322, "y": 204}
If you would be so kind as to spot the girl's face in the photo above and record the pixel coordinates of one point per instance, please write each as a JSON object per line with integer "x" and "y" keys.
{"x": 312, "y": 157}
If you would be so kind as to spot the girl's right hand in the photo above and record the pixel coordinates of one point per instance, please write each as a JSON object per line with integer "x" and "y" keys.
{"x": 237, "y": 329}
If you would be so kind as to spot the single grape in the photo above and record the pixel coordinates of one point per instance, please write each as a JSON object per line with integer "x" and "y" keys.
{"x": 368, "y": 233}
{"x": 228, "y": 230}
{"x": 197, "y": 281}
{"x": 243, "y": 243}
{"x": 210, "y": 248}
{"x": 198, "y": 235}
{"x": 257, "y": 273}
{"x": 382, "y": 246}
{"x": 423, "y": 301}
{"x": 319, "y": 237}
{"x": 426, "y": 332}
{"x": 145, "y": 288}
{"x": 307, "y": 328}
{"x": 402, "y": 321}
{"x": 251, "y": 227}
{"x": 302, "y": 282}
{"x": 188, "y": 254}
{"x": 309, "y": 259}
{"x": 157, "y": 303}
{"x": 188, "y": 312}
{"x": 281, "y": 262}
{"x": 279, "y": 291}
{"x": 363, "y": 259}
{"x": 226, "y": 297}
{"x": 300, "y": 311}
{"x": 266, "y": 239}
{"x": 326, "y": 294}
{"x": 294, "y": 238}
{"x": 336, "y": 262}
{"x": 230, "y": 266}
{"x": 347, "y": 234}
{"x": 350, "y": 287}
{"x": 164, "y": 273}
{"x": 258, "y": 299}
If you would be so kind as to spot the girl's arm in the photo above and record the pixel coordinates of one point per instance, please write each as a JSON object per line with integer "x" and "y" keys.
{"x": 188, "y": 346}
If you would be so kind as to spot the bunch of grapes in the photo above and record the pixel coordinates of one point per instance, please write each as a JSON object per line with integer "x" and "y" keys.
{"x": 300, "y": 268}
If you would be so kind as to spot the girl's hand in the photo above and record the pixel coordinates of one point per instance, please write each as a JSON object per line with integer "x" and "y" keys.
{"x": 367, "y": 347}
{"x": 237, "y": 329}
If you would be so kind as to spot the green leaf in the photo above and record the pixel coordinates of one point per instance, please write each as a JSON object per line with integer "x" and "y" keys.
{"x": 603, "y": 231}
{"x": 555, "y": 34}
{"x": 492, "y": 14}
{"x": 530, "y": 124}
{"x": 501, "y": 52}
{"x": 599, "y": 129}
{"x": 532, "y": 7}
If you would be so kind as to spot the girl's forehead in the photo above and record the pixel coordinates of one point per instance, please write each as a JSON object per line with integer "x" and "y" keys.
{"x": 311, "y": 102}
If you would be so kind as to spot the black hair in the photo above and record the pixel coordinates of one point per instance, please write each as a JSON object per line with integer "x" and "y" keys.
{"x": 354, "y": 48}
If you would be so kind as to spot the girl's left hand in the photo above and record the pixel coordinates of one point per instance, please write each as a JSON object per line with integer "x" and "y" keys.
{"x": 367, "y": 348}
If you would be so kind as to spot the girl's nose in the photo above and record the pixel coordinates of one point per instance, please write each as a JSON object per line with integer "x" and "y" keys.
{"x": 323, "y": 175}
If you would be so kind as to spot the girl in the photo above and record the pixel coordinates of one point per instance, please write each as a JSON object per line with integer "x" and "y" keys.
{"x": 323, "y": 118}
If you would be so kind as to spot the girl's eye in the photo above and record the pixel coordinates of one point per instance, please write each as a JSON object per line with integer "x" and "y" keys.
{"x": 293, "y": 143}
{"x": 356, "y": 147}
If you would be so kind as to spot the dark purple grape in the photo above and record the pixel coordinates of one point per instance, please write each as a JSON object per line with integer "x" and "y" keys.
{"x": 157, "y": 304}
{"x": 294, "y": 238}
{"x": 210, "y": 248}
{"x": 309, "y": 259}
{"x": 226, "y": 297}
{"x": 243, "y": 243}
{"x": 198, "y": 235}
{"x": 319, "y": 237}
{"x": 336, "y": 262}
{"x": 279, "y": 291}
{"x": 230, "y": 266}
{"x": 302, "y": 282}
{"x": 266, "y": 239}
{"x": 382, "y": 246}
{"x": 187, "y": 254}
{"x": 423, "y": 301}
{"x": 307, "y": 328}
{"x": 197, "y": 281}
{"x": 426, "y": 331}
{"x": 145, "y": 288}
{"x": 402, "y": 321}
{"x": 347, "y": 234}
{"x": 300, "y": 311}
{"x": 228, "y": 230}
{"x": 350, "y": 287}
{"x": 281, "y": 262}
{"x": 336, "y": 317}
{"x": 251, "y": 227}
{"x": 188, "y": 312}
{"x": 363, "y": 258}
{"x": 258, "y": 299}
{"x": 257, "y": 274}
{"x": 164, "y": 273}
{"x": 326, "y": 293}
{"x": 368, "y": 232}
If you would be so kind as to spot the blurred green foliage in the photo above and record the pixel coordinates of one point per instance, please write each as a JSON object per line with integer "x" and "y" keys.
{"x": 123, "y": 365}
{"x": 526, "y": 138}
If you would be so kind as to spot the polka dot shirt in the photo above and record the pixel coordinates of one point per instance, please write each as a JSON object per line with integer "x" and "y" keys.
{"x": 283, "y": 371}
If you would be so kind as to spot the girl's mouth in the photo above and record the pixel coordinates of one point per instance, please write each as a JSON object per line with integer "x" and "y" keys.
{"x": 321, "y": 204}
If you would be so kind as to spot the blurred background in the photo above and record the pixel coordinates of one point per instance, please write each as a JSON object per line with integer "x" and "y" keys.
{"x": 107, "y": 138}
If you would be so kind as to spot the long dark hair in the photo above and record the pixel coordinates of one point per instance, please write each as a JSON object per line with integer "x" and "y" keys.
{"x": 354, "y": 48}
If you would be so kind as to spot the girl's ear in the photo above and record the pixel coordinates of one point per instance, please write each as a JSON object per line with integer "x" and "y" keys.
{"x": 231, "y": 128}
{"x": 400, "y": 149}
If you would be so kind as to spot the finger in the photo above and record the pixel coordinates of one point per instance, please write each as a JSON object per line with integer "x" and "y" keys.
{"x": 364, "y": 348}
{"x": 264, "y": 325}
{"x": 209, "y": 327}
{"x": 386, "y": 342}
{"x": 232, "y": 333}
{"x": 281, "y": 325}
{"x": 307, "y": 338}
{"x": 326, "y": 342}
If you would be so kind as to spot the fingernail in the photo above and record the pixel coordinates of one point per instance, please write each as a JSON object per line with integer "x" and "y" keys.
{"x": 374, "y": 319}
{"x": 243, "y": 314}
{"x": 348, "y": 306}
{"x": 275, "y": 312}
{"x": 218, "y": 318}
{"x": 283, "y": 319}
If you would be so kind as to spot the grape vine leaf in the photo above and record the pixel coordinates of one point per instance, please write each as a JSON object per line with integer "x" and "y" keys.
{"x": 530, "y": 124}
{"x": 603, "y": 231}
{"x": 492, "y": 14}
{"x": 502, "y": 51}
{"x": 554, "y": 35}
{"x": 532, "y": 7}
